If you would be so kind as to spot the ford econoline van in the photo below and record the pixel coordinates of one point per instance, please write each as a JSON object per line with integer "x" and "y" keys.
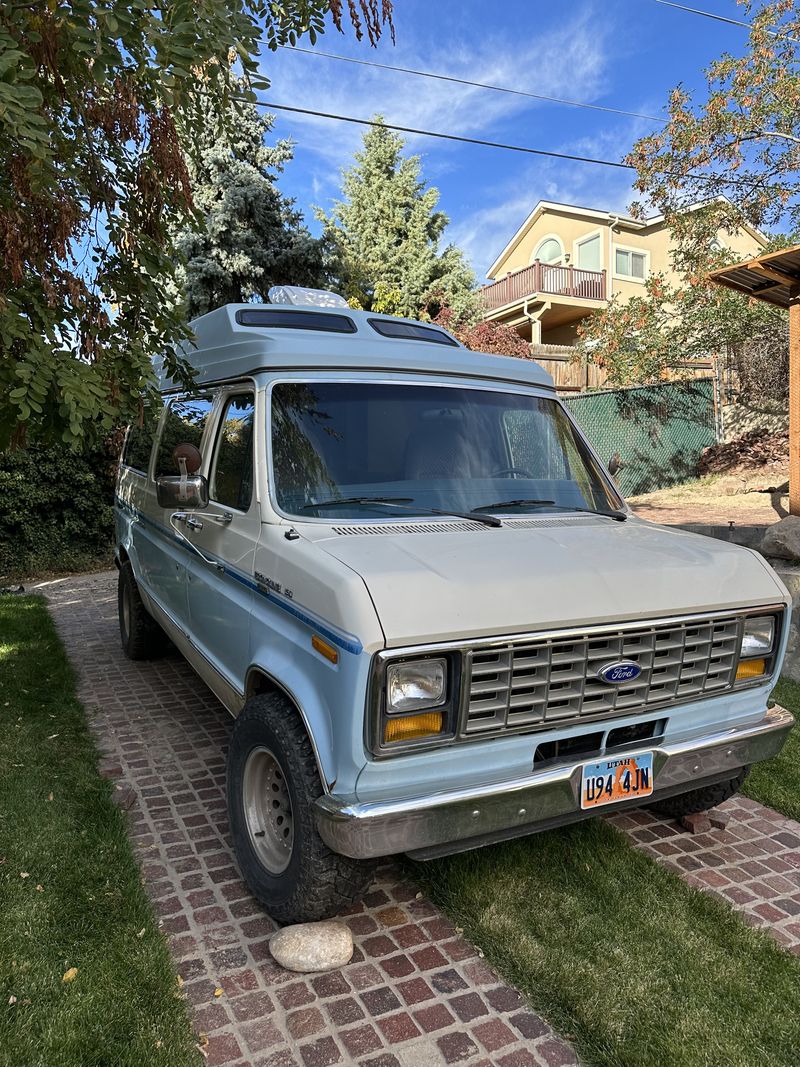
{"x": 403, "y": 569}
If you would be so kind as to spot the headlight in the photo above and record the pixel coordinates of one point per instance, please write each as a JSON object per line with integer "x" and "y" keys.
{"x": 416, "y": 685}
{"x": 758, "y": 636}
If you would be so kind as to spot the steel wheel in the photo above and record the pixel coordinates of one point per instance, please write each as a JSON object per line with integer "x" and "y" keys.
{"x": 268, "y": 810}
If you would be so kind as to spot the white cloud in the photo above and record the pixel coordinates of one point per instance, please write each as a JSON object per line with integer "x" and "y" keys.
{"x": 529, "y": 61}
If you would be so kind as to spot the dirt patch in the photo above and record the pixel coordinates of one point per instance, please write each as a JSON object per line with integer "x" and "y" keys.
{"x": 718, "y": 500}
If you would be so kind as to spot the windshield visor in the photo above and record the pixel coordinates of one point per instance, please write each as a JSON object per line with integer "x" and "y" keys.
{"x": 432, "y": 447}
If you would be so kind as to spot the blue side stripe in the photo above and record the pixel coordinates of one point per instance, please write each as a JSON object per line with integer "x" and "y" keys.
{"x": 346, "y": 641}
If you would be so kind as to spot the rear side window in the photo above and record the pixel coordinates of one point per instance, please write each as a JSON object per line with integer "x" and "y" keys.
{"x": 139, "y": 441}
{"x": 184, "y": 424}
{"x": 232, "y": 480}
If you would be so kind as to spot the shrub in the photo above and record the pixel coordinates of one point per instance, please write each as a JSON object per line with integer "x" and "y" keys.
{"x": 56, "y": 509}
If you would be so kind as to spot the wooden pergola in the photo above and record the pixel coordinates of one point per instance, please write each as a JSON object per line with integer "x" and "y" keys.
{"x": 775, "y": 277}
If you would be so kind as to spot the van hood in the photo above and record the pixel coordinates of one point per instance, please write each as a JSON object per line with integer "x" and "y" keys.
{"x": 461, "y": 584}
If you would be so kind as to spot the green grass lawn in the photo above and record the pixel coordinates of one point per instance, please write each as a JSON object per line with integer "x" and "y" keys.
{"x": 620, "y": 956}
{"x": 776, "y": 782}
{"x": 70, "y": 889}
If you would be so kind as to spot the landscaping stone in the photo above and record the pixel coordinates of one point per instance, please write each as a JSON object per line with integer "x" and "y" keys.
{"x": 305, "y": 947}
{"x": 782, "y": 539}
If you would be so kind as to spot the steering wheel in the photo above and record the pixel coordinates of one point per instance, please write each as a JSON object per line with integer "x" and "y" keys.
{"x": 511, "y": 472}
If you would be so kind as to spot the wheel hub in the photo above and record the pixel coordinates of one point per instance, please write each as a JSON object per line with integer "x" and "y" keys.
{"x": 268, "y": 810}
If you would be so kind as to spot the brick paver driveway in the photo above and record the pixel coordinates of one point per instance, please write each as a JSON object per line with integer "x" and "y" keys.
{"x": 413, "y": 987}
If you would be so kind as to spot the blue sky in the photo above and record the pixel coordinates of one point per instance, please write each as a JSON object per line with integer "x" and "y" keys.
{"x": 617, "y": 53}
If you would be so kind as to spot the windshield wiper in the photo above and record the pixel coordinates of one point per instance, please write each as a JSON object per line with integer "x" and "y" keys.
{"x": 402, "y": 503}
{"x": 620, "y": 516}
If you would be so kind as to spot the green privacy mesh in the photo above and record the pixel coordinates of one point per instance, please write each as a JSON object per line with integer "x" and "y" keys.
{"x": 657, "y": 431}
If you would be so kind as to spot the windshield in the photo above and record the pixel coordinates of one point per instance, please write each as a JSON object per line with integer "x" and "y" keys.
{"x": 453, "y": 449}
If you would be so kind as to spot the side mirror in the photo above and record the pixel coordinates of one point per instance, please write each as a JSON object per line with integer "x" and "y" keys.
{"x": 182, "y": 493}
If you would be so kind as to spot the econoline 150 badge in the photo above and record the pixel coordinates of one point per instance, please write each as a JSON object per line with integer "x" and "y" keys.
{"x": 619, "y": 672}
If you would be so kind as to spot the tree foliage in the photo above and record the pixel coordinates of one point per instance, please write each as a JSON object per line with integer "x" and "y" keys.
{"x": 741, "y": 141}
{"x": 383, "y": 236}
{"x": 252, "y": 237}
{"x": 657, "y": 335}
{"x": 736, "y": 154}
{"x": 99, "y": 100}
{"x": 484, "y": 336}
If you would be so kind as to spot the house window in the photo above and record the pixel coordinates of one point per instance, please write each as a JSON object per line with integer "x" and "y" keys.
{"x": 549, "y": 251}
{"x": 629, "y": 264}
{"x": 589, "y": 253}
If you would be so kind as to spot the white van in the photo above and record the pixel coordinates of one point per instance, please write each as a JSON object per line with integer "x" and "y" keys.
{"x": 403, "y": 569}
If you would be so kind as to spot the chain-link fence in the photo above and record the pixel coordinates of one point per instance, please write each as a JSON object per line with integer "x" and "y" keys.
{"x": 652, "y": 436}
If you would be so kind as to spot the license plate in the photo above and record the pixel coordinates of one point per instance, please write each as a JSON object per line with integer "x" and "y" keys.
{"x": 610, "y": 780}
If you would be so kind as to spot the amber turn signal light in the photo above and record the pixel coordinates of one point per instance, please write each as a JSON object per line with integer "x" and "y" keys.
{"x": 324, "y": 649}
{"x": 410, "y": 727}
{"x": 750, "y": 668}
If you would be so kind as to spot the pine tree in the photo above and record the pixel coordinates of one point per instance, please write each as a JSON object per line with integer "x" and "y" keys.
{"x": 252, "y": 237}
{"x": 382, "y": 238}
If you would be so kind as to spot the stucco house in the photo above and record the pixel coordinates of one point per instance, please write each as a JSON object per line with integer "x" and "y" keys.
{"x": 564, "y": 262}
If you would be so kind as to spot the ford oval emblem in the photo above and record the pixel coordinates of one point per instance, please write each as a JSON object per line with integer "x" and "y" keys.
{"x": 619, "y": 672}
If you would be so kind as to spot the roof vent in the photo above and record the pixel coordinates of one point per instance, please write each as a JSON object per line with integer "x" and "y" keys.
{"x": 296, "y": 319}
{"x": 300, "y": 296}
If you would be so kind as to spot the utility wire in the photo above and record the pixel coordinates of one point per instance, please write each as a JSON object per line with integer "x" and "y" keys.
{"x": 446, "y": 136}
{"x": 478, "y": 141}
{"x": 474, "y": 84}
{"x": 721, "y": 18}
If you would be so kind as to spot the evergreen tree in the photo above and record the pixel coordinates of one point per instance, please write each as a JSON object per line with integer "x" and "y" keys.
{"x": 252, "y": 237}
{"x": 382, "y": 239}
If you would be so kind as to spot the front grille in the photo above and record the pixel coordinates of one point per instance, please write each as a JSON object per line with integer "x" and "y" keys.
{"x": 553, "y": 681}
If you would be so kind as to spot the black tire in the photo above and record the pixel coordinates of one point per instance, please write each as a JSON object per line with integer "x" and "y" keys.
{"x": 141, "y": 636}
{"x": 316, "y": 882}
{"x": 697, "y": 800}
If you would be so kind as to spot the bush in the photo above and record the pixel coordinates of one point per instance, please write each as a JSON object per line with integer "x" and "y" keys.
{"x": 56, "y": 510}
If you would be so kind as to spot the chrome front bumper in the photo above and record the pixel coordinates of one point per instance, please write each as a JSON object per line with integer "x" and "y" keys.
{"x": 450, "y": 822}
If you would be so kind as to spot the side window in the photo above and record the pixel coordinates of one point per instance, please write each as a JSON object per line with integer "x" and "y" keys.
{"x": 185, "y": 421}
{"x": 232, "y": 478}
{"x": 139, "y": 441}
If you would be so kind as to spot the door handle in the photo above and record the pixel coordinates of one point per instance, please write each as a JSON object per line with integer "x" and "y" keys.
{"x": 181, "y": 516}
{"x": 194, "y": 523}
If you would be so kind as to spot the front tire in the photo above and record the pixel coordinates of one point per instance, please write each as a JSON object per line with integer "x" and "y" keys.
{"x": 272, "y": 784}
{"x": 140, "y": 634}
{"x": 697, "y": 800}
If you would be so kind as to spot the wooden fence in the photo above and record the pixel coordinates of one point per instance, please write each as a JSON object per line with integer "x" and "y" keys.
{"x": 573, "y": 373}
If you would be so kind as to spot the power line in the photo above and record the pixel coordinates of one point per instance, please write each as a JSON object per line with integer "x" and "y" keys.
{"x": 448, "y": 136}
{"x": 721, "y": 18}
{"x": 486, "y": 144}
{"x": 474, "y": 84}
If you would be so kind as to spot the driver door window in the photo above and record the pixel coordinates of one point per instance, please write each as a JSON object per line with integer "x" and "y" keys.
{"x": 184, "y": 424}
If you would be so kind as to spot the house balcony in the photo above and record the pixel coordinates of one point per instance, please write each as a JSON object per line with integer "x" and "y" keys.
{"x": 545, "y": 279}
{"x": 545, "y": 302}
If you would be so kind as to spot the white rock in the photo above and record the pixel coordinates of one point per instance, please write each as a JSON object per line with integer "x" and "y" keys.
{"x": 322, "y": 946}
{"x": 782, "y": 540}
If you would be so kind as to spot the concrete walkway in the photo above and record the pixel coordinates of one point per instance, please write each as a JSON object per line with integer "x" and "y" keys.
{"x": 415, "y": 994}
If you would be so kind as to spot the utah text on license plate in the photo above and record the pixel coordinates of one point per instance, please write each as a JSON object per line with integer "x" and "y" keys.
{"x": 612, "y": 780}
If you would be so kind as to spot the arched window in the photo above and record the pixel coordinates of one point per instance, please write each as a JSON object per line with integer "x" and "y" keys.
{"x": 549, "y": 251}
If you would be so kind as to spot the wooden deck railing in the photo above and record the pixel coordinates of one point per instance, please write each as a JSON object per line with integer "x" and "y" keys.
{"x": 545, "y": 278}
